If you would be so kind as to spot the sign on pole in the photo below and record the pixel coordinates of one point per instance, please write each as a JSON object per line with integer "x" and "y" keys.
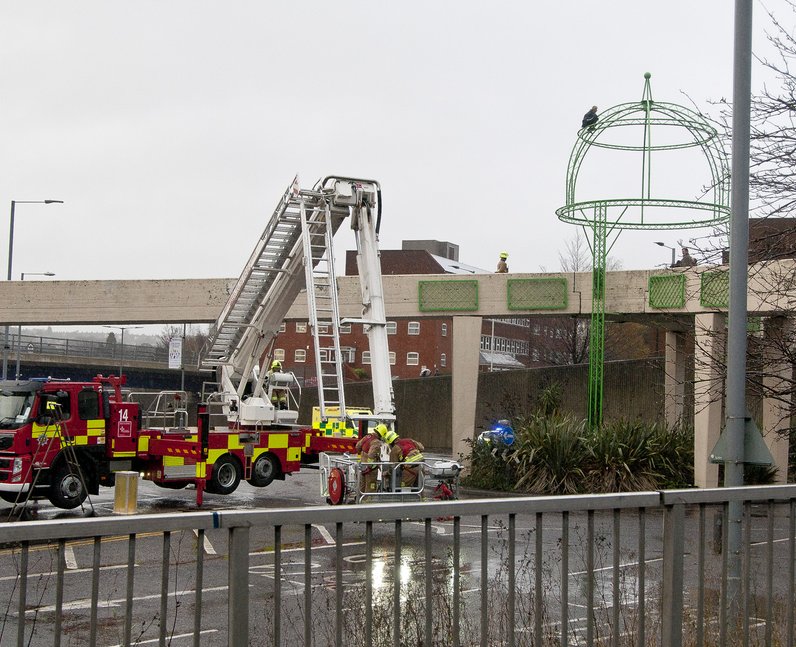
{"x": 175, "y": 352}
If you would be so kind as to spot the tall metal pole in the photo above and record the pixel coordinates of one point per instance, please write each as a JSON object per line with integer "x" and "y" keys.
{"x": 121, "y": 354}
{"x": 14, "y": 203}
{"x": 182, "y": 361}
{"x": 8, "y": 277}
{"x": 19, "y": 326}
{"x": 492, "y": 348}
{"x": 121, "y": 345}
{"x": 739, "y": 261}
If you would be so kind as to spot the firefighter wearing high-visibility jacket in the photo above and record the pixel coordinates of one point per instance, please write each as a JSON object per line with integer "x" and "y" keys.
{"x": 278, "y": 395}
{"x": 407, "y": 451}
{"x": 369, "y": 448}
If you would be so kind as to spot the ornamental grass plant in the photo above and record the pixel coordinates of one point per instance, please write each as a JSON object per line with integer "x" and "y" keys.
{"x": 556, "y": 453}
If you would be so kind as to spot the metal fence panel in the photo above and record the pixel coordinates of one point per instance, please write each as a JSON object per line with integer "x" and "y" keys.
{"x": 619, "y": 569}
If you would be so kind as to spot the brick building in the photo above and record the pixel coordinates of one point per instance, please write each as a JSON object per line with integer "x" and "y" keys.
{"x": 414, "y": 344}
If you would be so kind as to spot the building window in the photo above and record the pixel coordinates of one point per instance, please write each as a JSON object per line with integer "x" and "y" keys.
{"x": 443, "y": 360}
{"x": 324, "y": 353}
{"x": 392, "y": 328}
{"x": 323, "y": 329}
{"x": 282, "y": 327}
{"x": 345, "y": 328}
{"x": 392, "y": 358}
{"x": 366, "y": 357}
{"x": 414, "y": 328}
{"x": 300, "y": 355}
{"x": 279, "y": 354}
{"x": 301, "y": 326}
{"x": 444, "y": 330}
{"x": 412, "y": 359}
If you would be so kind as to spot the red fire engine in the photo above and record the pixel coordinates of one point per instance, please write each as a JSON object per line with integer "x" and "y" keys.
{"x": 61, "y": 440}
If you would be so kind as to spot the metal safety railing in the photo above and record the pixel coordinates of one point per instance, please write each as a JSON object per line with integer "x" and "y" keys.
{"x": 54, "y": 346}
{"x": 620, "y": 569}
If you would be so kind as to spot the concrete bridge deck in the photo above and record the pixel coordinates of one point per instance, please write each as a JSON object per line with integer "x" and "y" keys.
{"x": 678, "y": 299}
{"x": 629, "y": 294}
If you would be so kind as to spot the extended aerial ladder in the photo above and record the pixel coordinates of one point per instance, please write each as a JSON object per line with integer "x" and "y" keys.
{"x": 294, "y": 252}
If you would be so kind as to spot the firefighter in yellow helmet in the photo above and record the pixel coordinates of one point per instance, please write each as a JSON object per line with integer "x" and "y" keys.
{"x": 502, "y": 266}
{"x": 409, "y": 452}
{"x": 369, "y": 449}
{"x": 278, "y": 395}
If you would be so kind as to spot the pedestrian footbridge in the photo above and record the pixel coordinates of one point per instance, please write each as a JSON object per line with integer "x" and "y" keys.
{"x": 680, "y": 300}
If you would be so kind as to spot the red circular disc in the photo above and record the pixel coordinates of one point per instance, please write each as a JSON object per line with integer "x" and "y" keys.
{"x": 336, "y": 486}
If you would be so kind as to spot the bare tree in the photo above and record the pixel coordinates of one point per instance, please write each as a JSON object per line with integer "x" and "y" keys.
{"x": 772, "y": 342}
{"x": 194, "y": 342}
{"x": 565, "y": 340}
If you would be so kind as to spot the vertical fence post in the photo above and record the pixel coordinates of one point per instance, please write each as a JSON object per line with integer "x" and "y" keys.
{"x": 672, "y": 599}
{"x": 238, "y": 610}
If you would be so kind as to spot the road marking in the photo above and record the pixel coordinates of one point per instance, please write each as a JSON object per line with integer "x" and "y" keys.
{"x": 301, "y": 549}
{"x": 86, "y": 602}
{"x": 207, "y": 545}
{"x": 324, "y": 533}
{"x": 436, "y": 527}
{"x": 765, "y": 543}
{"x": 69, "y": 556}
{"x": 608, "y": 568}
{"x": 40, "y": 548}
{"x": 6, "y": 578}
{"x": 172, "y": 638}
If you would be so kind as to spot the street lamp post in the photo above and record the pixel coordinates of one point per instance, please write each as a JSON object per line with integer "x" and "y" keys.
{"x": 14, "y": 204}
{"x": 667, "y": 247}
{"x": 121, "y": 345}
{"x": 19, "y": 326}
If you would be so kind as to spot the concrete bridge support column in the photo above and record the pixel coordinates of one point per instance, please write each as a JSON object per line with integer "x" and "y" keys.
{"x": 709, "y": 359}
{"x": 674, "y": 384}
{"x": 777, "y": 380}
{"x": 466, "y": 349}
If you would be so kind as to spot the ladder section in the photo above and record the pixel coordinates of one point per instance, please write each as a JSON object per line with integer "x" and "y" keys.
{"x": 263, "y": 270}
{"x": 322, "y": 304}
{"x": 46, "y": 450}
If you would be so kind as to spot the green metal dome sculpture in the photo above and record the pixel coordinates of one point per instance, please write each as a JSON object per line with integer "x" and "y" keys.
{"x": 644, "y": 127}
{"x": 679, "y": 128}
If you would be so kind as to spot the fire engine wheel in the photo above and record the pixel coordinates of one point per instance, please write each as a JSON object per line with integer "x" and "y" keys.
{"x": 265, "y": 469}
{"x": 226, "y": 476}
{"x": 66, "y": 488}
{"x": 336, "y": 486}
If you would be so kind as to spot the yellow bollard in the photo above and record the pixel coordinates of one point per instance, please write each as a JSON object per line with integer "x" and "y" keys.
{"x": 125, "y": 494}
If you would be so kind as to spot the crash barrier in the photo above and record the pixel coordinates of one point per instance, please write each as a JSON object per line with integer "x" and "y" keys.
{"x": 75, "y": 348}
{"x": 629, "y": 569}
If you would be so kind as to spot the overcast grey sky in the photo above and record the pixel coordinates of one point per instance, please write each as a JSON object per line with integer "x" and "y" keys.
{"x": 170, "y": 129}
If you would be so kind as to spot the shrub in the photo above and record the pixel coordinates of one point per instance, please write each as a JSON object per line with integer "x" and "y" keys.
{"x": 633, "y": 456}
{"x": 493, "y": 472}
{"x": 549, "y": 455}
{"x": 557, "y": 454}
